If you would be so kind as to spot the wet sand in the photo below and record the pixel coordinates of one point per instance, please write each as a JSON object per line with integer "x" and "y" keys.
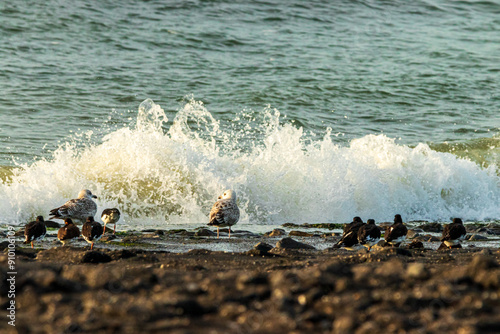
{"x": 178, "y": 282}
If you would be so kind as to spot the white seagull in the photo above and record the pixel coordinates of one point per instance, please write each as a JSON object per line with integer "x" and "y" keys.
{"x": 225, "y": 211}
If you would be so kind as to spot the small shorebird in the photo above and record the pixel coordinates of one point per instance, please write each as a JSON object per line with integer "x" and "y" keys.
{"x": 68, "y": 232}
{"x": 396, "y": 233}
{"x": 225, "y": 211}
{"x": 110, "y": 216}
{"x": 369, "y": 234}
{"x": 35, "y": 231}
{"x": 77, "y": 209}
{"x": 350, "y": 235}
{"x": 454, "y": 233}
{"x": 92, "y": 231}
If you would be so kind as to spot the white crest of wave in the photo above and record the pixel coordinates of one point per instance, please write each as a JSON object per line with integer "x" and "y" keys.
{"x": 157, "y": 176}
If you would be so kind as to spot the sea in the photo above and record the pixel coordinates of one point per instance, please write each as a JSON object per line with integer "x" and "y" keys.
{"x": 312, "y": 111}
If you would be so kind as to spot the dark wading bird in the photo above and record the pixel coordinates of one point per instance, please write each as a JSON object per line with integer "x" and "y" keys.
{"x": 92, "y": 231}
{"x": 396, "y": 233}
{"x": 454, "y": 233}
{"x": 77, "y": 209}
{"x": 350, "y": 235}
{"x": 369, "y": 234}
{"x": 225, "y": 211}
{"x": 35, "y": 231}
{"x": 110, "y": 216}
{"x": 68, "y": 232}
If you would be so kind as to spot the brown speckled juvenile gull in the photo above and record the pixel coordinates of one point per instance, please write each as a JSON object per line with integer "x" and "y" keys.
{"x": 77, "y": 209}
{"x": 225, "y": 211}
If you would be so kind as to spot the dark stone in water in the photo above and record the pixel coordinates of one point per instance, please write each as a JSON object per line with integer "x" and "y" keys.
{"x": 205, "y": 232}
{"x": 476, "y": 237}
{"x": 95, "y": 257}
{"x": 415, "y": 244}
{"x": 432, "y": 227}
{"x": 108, "y": 237}
{"x": 289, "y": 243}
{"x": 300, "y": 234}
{"x": 52, "y": 224}
{"x": 444, "y": 247}
{"x": 412, "y": 234}
{"x": 275, "y": 233}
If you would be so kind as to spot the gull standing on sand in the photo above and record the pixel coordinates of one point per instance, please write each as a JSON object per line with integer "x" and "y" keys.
{"x": 92, "y": 231}
{"x": 225, "y": 211}
{"x": 110, "y": 216}
{"x": 77, "y": 209}
{"x": 35, "y": 231}
{"x": 68, "y": 232}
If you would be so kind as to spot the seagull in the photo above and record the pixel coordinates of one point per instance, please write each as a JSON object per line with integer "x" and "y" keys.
{"x": 369, "y": 234}
{"x": 35, "y": 231}
{"x": 350, "y": 235}
{"x": 225, "y": 211}
{"x": 78, "y": 209}
{"x": 110, "y": 216}
{"x": 396, "y": 233}
{"x": 92, "y": 231}
{"x": 453, "y": 233}
{"x": 68, "y": 232}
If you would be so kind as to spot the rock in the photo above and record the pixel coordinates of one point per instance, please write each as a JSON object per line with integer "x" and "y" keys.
{"x": 52, "y": 224}
{"x": 109, "y": 237}
{"x": 431, "y": 238}
{"x": 132, "y": 239}
{"x": 262, "y": 246}
{"x": 4, "y": 245}
{"x": 95, "y": 257}
{"x": 432, "y": 227}
{"x": 417, "y": 271}
{"x": 122, "y": 254}
{"x": 289, "y": 243}
{"x": 412, "y": 234}
{"x": 260, "y": 249}
{"x": 275, "y": 233}
{"x": 205, "y": 232}
{"x": 199, "y": 251}
{"x": 415, "y": 244}
{"x": 300, "y": 234}
{"x": 395, "y": 251}
{"x": 444, "y": 247}
{"x": 481, "y": 262}
{"x": 494, "y": 231}
{"x": 476, "y": 237}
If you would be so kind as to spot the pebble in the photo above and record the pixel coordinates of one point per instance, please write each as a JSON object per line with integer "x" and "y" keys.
{"x": 289, "y": 243}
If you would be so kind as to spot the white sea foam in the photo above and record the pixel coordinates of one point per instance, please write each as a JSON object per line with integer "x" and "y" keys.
{"x": 159, "y": 172}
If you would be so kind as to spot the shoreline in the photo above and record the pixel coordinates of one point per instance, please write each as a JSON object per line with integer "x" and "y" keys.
{"x": 198, "y": 286}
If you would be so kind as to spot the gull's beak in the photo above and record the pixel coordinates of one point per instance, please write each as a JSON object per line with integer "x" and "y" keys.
{"x": 94, "y": 196}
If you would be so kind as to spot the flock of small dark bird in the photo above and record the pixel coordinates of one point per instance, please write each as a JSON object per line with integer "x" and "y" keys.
{"x": 224, "y": 213}
{"x": 358, "y": 233}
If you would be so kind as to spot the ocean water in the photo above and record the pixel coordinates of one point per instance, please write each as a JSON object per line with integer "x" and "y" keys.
{"x": 312, "y": 111}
